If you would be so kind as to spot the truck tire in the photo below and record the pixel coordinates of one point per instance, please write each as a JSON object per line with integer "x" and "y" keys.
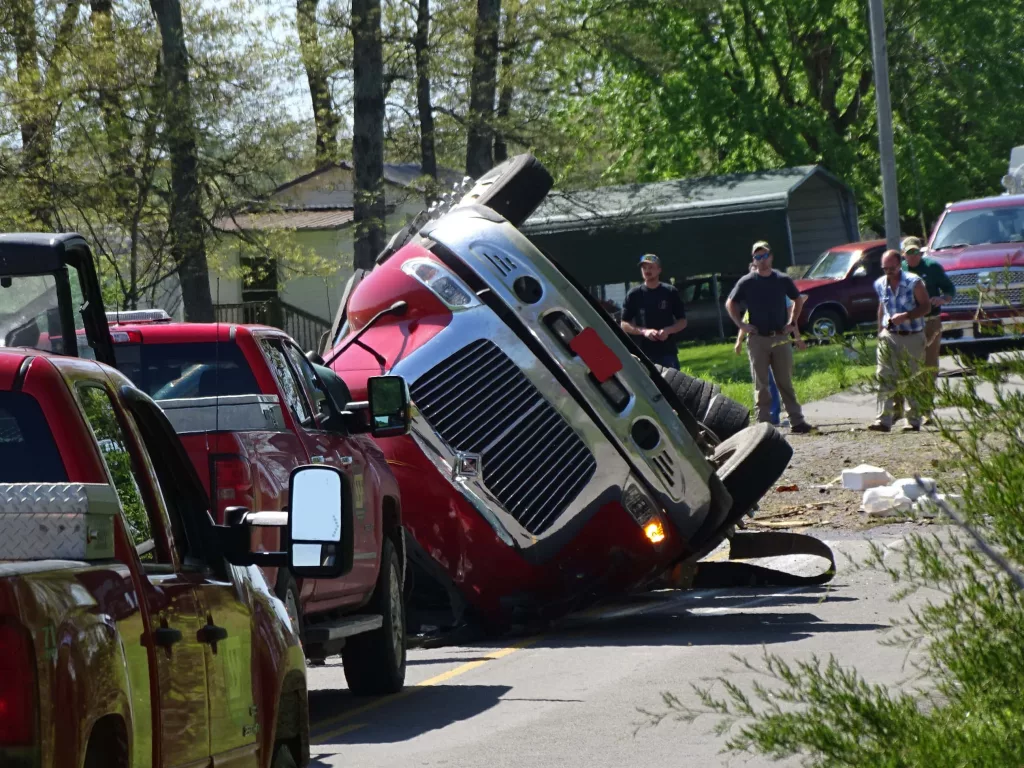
{"x": 374, "y": 662}
{"x": 827, "y": 324}
{"x": 283, "y": 757}
{"x": 749, "y": 463}
{"x": 705, "y": 401}
{"x": 288, "y": 592}
{"x": 514, "y": 188}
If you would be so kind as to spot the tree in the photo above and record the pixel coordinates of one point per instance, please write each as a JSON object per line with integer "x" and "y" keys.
{"x": 424, "y": 106}
{"x": 368, "y": 131}
{"x": 312, "y": 54}
{"x": 482, "y": 86}
{"x": 188, "y": 246}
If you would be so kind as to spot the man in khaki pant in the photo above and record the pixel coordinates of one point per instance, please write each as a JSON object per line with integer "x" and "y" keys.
{"x": 769, "y": 345}
{"x": 902, "y": 304}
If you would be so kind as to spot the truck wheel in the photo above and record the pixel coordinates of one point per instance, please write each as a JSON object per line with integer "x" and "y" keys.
{"x": 749, "y": 463}
{"x": 374, "y": 662}
{"x": 283, "y": 758}
{"x": 705, "y": 401}
{"x": 827, "y": 324}
{"x": 288, "y": 592}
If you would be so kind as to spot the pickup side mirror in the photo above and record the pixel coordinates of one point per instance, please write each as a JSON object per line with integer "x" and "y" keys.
{"x": 860, "y": 271}
{"x": 388, "y": 398}
{"x": 320, "y": 524}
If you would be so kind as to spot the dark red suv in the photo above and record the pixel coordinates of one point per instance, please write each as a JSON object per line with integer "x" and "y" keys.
{"x": 840, "y": 289}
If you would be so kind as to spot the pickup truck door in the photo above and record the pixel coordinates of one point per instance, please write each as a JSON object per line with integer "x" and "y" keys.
{"x": 171, "y": 600}
{"x": 225, "y": 606}
{"x": 863, "y": 301}
{"x": 307, "y": 400}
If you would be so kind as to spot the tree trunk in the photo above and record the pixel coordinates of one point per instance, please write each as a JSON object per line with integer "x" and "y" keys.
{"x": 480, "y": 142}
{"x": 506, "y": 91}
{"x": 115, "y": 122}
{"x": 368, "y": 131}
{"x": 312, "y": 54}
{"x": 188, "y": 247}
{"x": 428, "y": 153}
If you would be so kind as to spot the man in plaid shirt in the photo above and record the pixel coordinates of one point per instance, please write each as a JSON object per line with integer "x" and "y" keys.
{"x": 902, "y": 305}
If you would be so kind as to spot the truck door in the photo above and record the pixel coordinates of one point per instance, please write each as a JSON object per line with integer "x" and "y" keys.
{"x": 863, "y": 301}
{"x": 171, "y": 600}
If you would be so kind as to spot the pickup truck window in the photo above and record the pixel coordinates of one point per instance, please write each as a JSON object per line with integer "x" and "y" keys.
{"x": 288, "y": 381}
{"x": 114, "y": 445}
{"x": 194, "y": 369}
{"x": 1004, "y": 224}
{"x": 313, "y": 385}
{"x": 28, "y": 453}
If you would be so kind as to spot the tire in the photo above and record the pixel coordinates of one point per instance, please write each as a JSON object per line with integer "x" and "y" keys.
{"x": 513, "y": 188}
{"x": 283, "y": 758}
{"x": 827, "y": 325}
{"x": 749, "y": 464}
{"x": 288, "y": 592}
{"x": 374, "y": 662}
{"x": 706, "y": 403}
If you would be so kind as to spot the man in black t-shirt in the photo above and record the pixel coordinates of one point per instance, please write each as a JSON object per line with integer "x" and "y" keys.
{"x": 652, "y": 312}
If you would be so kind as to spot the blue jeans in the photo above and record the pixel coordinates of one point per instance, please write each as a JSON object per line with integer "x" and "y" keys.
{"x": 776, "y": 408}
{"x": 666, "y": 359}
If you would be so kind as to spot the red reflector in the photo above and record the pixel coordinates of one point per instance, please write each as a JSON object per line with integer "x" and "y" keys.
{"x": 231, "y": 484}
{"x": 17, "y": 688}
{"x": 598, "y": 357}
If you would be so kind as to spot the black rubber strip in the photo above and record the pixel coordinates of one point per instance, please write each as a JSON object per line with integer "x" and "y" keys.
{"x": 744, "y": 546}
{"x": 19, "y": 377}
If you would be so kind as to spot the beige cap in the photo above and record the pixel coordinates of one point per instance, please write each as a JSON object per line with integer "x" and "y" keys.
{"x": 760, "y": 245}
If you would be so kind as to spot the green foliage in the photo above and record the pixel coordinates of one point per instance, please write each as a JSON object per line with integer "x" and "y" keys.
{"x": 966, "y": 707}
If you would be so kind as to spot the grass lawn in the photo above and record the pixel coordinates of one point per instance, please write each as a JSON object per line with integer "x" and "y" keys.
{"x": 819, "y": 371}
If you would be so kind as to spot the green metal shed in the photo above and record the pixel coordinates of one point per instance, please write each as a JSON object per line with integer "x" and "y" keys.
{"x": 697, "y": 226}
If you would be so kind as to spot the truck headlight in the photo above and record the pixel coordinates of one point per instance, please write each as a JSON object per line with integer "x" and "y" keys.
{"x": 442, "y": 283}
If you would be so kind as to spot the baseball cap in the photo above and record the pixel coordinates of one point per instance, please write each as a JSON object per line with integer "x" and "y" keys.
{"x": 911, "y": 244}
{"x": 650, "y": 258}
{"x": 760, "y": 245}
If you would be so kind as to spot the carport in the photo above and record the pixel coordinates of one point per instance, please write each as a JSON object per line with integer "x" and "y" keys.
{"x": 697, "y": 226}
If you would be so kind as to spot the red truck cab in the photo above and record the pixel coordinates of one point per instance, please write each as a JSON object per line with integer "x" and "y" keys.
{"x": 250, "y": 408}
{"x": 840, "y": 290}
{"x": 128, "y": 636}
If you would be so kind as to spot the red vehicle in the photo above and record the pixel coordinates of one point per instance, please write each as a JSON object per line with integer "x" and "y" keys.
{"x": 552, "y": 463}
{"x": 980, "y": 243}
{"x": 133, "y": 630}
{"x": 840, "y": 290}
{"x": 250, "y": 408}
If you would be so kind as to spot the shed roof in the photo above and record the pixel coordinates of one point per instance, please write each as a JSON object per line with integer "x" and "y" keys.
{"x": 299, "y": 219}
{"x": 668, "y": 200}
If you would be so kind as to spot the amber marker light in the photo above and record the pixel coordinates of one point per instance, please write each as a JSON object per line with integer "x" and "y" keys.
{"x": 655, "y": 532}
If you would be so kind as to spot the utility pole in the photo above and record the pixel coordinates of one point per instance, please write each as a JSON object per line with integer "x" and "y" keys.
{"x": 883, "y": 103}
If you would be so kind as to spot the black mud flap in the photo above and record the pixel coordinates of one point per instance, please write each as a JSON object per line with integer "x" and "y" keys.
{"x": 747, "y": 546}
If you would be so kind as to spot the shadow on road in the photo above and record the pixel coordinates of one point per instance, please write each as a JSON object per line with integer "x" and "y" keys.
{"x": 402, "y": 718}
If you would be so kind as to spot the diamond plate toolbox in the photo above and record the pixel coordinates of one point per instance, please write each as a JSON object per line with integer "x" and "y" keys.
{"x": 67, "y": 521}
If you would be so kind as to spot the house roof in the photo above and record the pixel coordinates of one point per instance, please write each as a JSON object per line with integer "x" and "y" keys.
{"x": 668, "y": 200}
{"x": 399, "y": 174}
{"x": 299, "y": 219}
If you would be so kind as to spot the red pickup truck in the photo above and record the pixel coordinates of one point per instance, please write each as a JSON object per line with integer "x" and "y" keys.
{"x": 249, "y": 408}
{"x": 133, "y": 630}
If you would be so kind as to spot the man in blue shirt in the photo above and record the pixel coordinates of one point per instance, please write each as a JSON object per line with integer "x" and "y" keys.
{"x": 902, "y": 305}
{"x": 652, "y": 312}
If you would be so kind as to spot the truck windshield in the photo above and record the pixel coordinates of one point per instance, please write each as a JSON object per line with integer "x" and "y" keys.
{"x": 958, "y": 229}
{"x": 28, "y": 453}
{"x": 195, "y": 369}
{"x": 832, "y": 264}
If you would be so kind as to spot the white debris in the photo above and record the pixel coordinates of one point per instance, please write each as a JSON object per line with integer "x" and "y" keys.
{"x": 926, "y": 507}
{"x": 865, "y": 476}
{"x": 911, "y": 489}
{"x": 885, "y": 501}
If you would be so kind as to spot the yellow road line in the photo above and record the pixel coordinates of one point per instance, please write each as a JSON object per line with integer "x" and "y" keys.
{"x": 717, "y": 557}
{"x": 436, "y": 680}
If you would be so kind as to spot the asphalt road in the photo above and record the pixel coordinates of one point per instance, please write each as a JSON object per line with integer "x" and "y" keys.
{"x": 572, "y": 696}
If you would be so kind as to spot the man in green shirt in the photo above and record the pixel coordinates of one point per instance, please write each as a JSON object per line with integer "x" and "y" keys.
{"x": 940, "y": 290}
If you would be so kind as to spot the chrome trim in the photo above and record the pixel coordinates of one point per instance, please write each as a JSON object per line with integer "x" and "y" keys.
{"x": 477, "y": 241}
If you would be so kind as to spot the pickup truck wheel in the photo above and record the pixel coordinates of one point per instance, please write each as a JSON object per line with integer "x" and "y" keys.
{"x": 706, "y": 403}
{"x": 288, "y": 591}
{"x": 283, "y": 758}
{"x": 374, "y": 662}
{"x": 827, "y": 324}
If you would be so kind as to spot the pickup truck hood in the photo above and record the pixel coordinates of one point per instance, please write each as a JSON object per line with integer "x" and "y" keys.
{"x": 991, "y": 256}
{"x": 806, "y": 285}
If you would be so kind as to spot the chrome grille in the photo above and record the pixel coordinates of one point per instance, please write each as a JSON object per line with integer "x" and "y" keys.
{"x": 994, "y": 292}
{"x": 532, "y": 460}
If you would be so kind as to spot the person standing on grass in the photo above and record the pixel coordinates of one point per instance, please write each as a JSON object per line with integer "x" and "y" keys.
{"x": 652, "y": 312}
{"x": 940, "y": 291}
{"x": 770, "y": 330}
{"x": 902, "y": 305}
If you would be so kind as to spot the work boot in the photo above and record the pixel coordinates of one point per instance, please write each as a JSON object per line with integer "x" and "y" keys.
{"x": 879, "y": 426}
{"x": 801, "y": 429}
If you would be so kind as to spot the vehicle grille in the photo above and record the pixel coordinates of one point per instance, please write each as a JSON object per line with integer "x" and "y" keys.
{"x": 532, "y": 460}
{"x": 997, "y": 293}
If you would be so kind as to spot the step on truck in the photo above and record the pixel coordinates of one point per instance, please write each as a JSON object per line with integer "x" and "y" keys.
{"x": 552, "y": 462}
{"x": 134, "y": 629}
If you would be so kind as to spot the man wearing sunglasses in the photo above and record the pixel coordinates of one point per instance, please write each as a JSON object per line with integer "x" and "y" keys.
{"x": 902, "y": 305}
{"x": 770, "y": 331}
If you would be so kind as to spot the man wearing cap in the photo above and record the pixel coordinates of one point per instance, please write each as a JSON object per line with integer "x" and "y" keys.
{"x": 652, "y": 312}
{"x": 902, "y": 305}
{"x": 770, "y": 332}
{"x": 940, "y": 291}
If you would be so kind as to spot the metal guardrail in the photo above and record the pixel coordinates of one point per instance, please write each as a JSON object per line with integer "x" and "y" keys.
{"x": 305, "y": 327}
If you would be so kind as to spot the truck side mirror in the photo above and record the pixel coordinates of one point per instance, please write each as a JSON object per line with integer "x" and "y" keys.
{"x": 860, "y": 271}
{"x": 320, "y": 525}
{"x": 388, "y": 397}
